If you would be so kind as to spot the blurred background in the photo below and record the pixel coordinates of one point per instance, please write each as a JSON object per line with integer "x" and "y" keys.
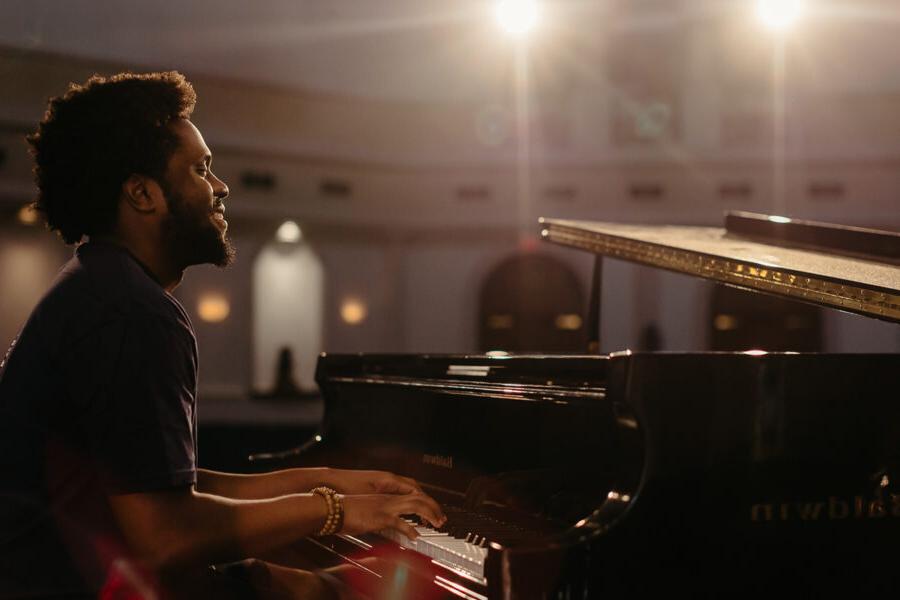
{"x": 388, "y": 161}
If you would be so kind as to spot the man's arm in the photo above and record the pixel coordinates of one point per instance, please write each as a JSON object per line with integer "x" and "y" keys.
{"x": 262, "y": 485}
{"x": 184, "y": 528}
{"x": 293, "y": 481}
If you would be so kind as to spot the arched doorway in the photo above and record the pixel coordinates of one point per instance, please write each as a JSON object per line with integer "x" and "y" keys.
{"x": 288, "y": 304}
{"x": 742, "y": 320}
{"x": 532, "y": 303}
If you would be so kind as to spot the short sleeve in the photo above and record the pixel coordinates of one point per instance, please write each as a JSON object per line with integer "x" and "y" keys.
{"x": 138, "y": 384}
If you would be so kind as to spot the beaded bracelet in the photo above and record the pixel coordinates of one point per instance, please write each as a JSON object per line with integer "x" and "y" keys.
{"x": 335, "y": 519}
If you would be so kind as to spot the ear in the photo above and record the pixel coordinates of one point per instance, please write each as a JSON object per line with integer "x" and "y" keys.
{"x": 142, "y": 193}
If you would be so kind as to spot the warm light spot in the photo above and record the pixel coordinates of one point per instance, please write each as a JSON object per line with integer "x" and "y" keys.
{"x": 756, "y": 352}
{"x": 777, "y": 219}
{"x": 725, "y": 323}
{"x": 353, "y": 311}
{"x": 500, "y": 321}
{"x": 779, "y": 15}
{"x": 213, "y": 307}
{"x": 497, "y": 353}
{"x": 569, "y": 322}
{"x": 289, "y": 232}
{"x": 27, "y": 215}
{"x": 318, "y": 438}
{"x": 517, "y": 16}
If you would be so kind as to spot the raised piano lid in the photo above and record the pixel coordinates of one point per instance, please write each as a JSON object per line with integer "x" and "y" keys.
{"x": 833, "y": 277}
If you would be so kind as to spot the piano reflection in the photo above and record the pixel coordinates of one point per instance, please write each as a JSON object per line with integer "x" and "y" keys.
{"x": 725, "y": 474}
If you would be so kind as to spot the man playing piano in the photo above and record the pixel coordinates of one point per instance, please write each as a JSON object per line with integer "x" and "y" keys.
{"x": 100, "y": 492}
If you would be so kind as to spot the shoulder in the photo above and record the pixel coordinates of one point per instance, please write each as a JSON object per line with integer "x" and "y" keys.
{"x": 125, "y": 287}
{"x": 102, "y": 285}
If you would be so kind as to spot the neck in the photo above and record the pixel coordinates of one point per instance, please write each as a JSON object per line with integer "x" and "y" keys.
{"x": 152, "y": 256}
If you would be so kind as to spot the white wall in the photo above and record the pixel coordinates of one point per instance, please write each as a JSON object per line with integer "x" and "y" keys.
{"x": 441, "y": 290}
{"x": 288, "y": 311}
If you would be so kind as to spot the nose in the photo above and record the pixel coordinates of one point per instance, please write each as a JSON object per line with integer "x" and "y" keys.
{"x": 220, "y": 190}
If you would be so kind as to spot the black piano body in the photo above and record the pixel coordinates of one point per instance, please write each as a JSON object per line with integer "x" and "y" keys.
{"x": 711, "y": 474}
{"x": 632, "y": 472}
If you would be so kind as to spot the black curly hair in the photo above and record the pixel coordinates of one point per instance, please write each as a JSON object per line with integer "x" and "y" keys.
{"x": 98, "y": 134}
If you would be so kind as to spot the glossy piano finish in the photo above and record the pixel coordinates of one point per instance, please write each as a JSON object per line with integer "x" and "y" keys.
{"x": 526, "y": 444}
{"x": 761, "y": 472}
{"x": 716, "y": 473}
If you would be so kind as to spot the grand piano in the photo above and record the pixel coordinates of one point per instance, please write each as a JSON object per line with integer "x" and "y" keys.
{"x": 727, "y": 474}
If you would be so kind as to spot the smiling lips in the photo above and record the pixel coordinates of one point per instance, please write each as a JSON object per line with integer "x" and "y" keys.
{"x": 219, "y": 215}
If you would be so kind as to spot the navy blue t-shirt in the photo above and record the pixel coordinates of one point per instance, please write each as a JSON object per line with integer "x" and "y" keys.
{"x": 97, "y": 397}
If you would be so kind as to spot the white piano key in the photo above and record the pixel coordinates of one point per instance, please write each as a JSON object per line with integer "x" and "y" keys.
{"x": 440, "y": 546}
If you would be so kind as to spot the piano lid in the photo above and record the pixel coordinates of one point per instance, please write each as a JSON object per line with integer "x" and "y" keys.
{"x": 838, "y": 277}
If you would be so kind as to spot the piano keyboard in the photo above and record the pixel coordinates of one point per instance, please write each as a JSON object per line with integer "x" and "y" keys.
{"x": 461, "y": 544}
{"x": 460, "y": 555}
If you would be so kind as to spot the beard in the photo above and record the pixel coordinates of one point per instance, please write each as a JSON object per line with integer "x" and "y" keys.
{"x": 191, "y": 237}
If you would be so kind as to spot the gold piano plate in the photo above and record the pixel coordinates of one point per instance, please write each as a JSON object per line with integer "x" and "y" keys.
{"x": 866, "y": 287}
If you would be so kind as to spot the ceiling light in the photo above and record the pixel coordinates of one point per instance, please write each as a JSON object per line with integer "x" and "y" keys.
{"x": 517, "y": 16}
{"x": 289, "y": 232}
{"x": 779, "y": 15}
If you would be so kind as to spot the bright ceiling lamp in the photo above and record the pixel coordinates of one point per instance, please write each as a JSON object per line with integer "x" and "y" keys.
{"x": 289, "y": 233}
{"x": 779, "y": 15}
{"x": 517, "y": 17}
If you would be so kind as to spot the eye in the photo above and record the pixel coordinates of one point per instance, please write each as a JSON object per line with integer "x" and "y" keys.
{"x": 202, "y": 171}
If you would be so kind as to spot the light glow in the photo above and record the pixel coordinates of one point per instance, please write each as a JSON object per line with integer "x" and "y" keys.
{"x": 353, "y": 311}
{"x": 517, "y": 17}
{"x": 779, "y": 15}
{"x": 725, "y": 322}
{"x": 568, "y": 322}
{"x": 289, "y": 233}
{"x": 27, "y": 215}
{"x": 503, "y": 321}
{"x": 213, "y": 307}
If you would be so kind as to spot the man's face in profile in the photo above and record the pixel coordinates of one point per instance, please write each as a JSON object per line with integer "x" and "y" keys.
{"x": 195, "y": 227}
